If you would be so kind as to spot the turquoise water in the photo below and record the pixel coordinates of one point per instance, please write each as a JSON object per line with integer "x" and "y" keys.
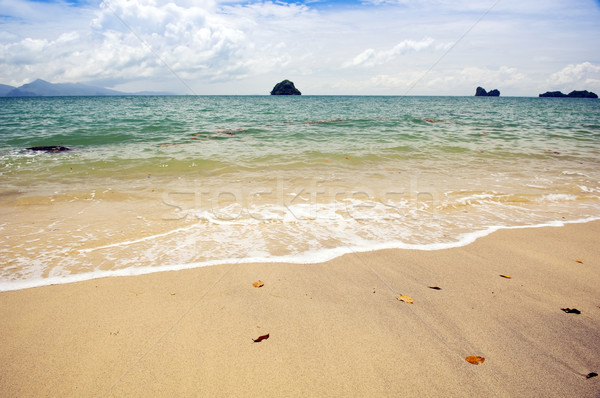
{"x": 156, "y": 183}
{"x": 290, "y": 129}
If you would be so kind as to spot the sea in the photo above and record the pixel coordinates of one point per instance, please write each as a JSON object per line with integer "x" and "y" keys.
{"x": 174, "y": 182}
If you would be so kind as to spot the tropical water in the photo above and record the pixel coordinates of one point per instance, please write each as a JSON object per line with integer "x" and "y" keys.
{"x": 165, "y": 183}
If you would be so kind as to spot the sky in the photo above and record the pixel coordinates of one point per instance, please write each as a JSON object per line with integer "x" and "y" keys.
{"x": 326, "y": 47}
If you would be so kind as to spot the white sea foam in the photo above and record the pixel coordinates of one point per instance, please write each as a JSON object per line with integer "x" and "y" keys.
{"x": 575, "y": 173}
{"x": 134, "y": 241}
{"x": 267, "y": 232}
{"x": 557, "y": 197}
{"x": 536, "y": 186}
{"x": 588, "y": 189}
{"x": 308, "y": 257}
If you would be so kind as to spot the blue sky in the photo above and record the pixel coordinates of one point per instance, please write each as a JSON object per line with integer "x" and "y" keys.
{"x": 380, "y": 47}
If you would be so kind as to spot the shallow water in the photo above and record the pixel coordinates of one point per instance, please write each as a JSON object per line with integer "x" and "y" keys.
{"x": 157, "y": 183}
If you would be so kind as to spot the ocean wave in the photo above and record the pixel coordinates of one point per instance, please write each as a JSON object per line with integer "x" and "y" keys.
{"x": 309, "y": 257}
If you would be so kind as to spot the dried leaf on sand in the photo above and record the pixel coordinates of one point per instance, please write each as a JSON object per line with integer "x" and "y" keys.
{"x": 571, "y": 310}
{"x": 406, "y": 299}
{"x": 261, "y": 338}
{"x": 475, "y": 360}
{"x": 258, "y": 284}
{"x": 506, "y": 276}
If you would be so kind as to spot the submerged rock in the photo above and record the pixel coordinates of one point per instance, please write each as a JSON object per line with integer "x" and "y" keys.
{"x": 52, "y": 148}
{"x": 285, "y": 87}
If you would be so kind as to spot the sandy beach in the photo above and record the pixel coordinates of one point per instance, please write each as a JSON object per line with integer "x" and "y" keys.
{"x": 335, "y": 328}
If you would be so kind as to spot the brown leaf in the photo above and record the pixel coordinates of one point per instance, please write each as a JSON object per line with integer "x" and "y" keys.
{"x": 579, "y": 261}
{"x": 258, "y": 284}
{"x": 475, "y": 360}
{"x": 261, "y": 338}
{"x": 435, "y": 287}
{"x": 571, "y": 310}
{"x": 506, "y": 276}
{"x": 406, "y": 299}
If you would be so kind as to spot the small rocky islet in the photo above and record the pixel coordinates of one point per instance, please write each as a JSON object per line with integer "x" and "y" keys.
{"x": 572, "y": 94}
{"x": 481, "y": 92}
{"x": 285, "y": 87}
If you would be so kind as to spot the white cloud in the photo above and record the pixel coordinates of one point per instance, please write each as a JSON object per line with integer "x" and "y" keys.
{"x": 509, "y": 80}
{"x": 241, "y": 47}
{"x": 132, "y": 39}
{"x": 439, "y": 5}
{"x": 577, "y": 77}
{"x": 371, "y": 57}
{"x": 502, "y": 76}
{"x": 192, "y": 40}
{"x": 26, "y": 51}
{"x": 440, "y": 82}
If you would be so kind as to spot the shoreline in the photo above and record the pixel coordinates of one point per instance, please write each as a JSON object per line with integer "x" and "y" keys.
{"x": 324, "y": 256}
{"x": 336, "y": 327}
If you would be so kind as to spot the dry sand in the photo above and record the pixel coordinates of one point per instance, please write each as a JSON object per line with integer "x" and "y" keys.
{"x": 335, "y": 329}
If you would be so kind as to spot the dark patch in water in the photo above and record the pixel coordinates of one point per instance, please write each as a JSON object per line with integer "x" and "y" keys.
{"x": 52, "y": 148}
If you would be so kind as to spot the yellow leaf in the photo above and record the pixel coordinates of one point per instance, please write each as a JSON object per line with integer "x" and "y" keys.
{"x": 475, "y": 360}
{"x": 579, "y": 261}
{"x": 258, "y": 284}
{"x": 406, "y": 299}
{"x": 506, "y": 276}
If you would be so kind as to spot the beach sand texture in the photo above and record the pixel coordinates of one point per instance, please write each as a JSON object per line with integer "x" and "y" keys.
{"x": 335, "y": 328}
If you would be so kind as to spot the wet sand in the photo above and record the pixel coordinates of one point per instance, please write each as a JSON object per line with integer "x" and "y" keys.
{"x": 335, "y": 328}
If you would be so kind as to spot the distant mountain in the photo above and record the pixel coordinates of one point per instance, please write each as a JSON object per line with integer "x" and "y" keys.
{"x": 141, "y": 93}
{"x": 42, "y": 88}
{"x": 5, "y": 89}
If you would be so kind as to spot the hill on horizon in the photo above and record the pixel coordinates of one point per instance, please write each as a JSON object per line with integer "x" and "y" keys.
{"x": 42, "y": 88}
